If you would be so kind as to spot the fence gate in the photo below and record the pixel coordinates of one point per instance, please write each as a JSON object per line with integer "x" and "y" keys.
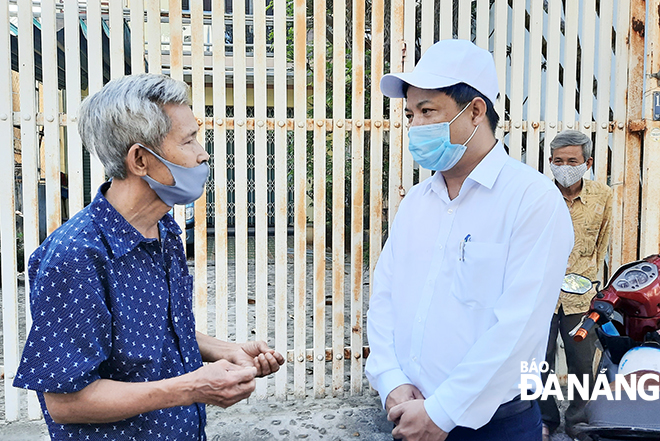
{"x": 309, "y": 159}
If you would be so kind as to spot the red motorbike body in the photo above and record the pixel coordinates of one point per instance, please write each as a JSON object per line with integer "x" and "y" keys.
{"x": 634, "y": 291}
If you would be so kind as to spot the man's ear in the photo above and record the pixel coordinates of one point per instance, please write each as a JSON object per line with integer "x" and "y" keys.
{"x": 479, "y": 109}
{"x": 136, "y": 160}
{"x": 590, "y": 162}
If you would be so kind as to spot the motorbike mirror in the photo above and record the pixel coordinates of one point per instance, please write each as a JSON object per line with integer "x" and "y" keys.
{"x": 576, "y": 284}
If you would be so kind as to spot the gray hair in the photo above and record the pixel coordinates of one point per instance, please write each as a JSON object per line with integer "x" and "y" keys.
{"x": 572, "y": 137}
{"x": 126, "y": 111}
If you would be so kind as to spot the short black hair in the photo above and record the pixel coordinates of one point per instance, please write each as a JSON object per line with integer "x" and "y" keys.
{"x": 462, "y": 94}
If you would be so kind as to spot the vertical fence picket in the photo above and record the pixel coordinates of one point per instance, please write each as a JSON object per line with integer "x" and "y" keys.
{"x": 570, "y": 63}
{"x": 426, "y": 39}
{"x": 619, "y": 135}
{"x": 281, "y": 203}
{"x": 260, "y": 181}
{"x": 396, "y": 132}
{"x": 199, "y": 110}
{"x": 220, "y": 170}
{"x": 465, "y": 20}
{"x": 552, "y": 80}
{"x": 409, "y": 38}
{"x": 517, "y": 78}
{"x": 30, "y": 160}
{"x": 446, "y": 18}
{"x": 241, "y": 169}
{"x": 500, "y": 58}
{"x": 8, "y": 222}
{"x": 116, "y": 25}
{"x": 601, "y": 150}
{"x": 587, "y": 44}
{"x": 300, "y": 178}
{"x": 357, "y": 195}
{"x": 95, "y": 77}
{"x": 483, "y": 23}
{"x": 338, "y": 194}
{"x": 534, "y": 85}
{"x": 319, "y": 134}
{"x": 154, "y": 60}
{"x": 137, "y": 36}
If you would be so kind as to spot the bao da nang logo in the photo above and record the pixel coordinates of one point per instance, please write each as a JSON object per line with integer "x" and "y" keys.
{"x": 644, "y": 385}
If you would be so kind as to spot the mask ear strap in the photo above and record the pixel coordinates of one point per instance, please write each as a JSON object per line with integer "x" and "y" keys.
{"x": 459, "y": 113}
{"x": 473, "y": 132}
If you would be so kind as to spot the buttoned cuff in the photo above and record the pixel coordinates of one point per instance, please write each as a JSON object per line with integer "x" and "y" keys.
{"x": 438, "y": 414}
{"x": 390, "y": 380}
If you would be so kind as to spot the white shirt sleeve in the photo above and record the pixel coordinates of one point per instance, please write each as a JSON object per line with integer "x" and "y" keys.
{"x": 382, "y": 368}
{"x": 541, "y": 241}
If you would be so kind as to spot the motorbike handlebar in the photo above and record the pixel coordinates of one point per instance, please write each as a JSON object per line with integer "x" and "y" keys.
{"x": 581, "y": 333}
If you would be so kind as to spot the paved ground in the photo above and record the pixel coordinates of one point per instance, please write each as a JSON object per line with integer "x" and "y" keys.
{"x": 332, "y": 419}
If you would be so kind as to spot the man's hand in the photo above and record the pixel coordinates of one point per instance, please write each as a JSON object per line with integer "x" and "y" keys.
{"x": 259, "y": 355}
{"x": 222, "y": 383}
{"x": 413, "y": 423}
{"x": 401, "y": 394}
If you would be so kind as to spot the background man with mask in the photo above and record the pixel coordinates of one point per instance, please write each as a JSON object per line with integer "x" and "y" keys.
{"x": 590, "y": 205}
{"x": 113, "y": 352}
{"x": 467, "y": 282}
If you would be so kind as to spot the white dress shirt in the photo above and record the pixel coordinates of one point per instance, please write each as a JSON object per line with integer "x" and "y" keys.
{"x": 465, "y": 289}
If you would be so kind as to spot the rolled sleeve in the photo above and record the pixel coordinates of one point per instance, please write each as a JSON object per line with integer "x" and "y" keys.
{"x": 71, "y": 330}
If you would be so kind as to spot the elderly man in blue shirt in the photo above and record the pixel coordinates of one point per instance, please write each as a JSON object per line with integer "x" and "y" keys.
{"x": 113, "y": 352}
{"x": 467, "y": 282}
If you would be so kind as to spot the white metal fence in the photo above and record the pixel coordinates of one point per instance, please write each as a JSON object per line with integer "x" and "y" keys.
{"x": 340, "y": 165}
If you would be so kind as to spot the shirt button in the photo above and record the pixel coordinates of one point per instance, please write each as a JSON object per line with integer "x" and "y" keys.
{"x": 419, "y": 320}
{"x": 450, "y": 211}
{"x": 176, "y": 319}
{"x": 440, "y": 247}
{"x": 415, "y": 359}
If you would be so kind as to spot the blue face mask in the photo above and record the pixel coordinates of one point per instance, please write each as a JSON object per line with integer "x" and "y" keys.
{"x": 431, "y": 146}
{"x": 188, "y": 182}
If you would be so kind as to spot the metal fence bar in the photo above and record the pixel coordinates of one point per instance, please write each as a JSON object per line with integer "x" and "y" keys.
{"x": 95, "y": 78}
{"x": 465, "y": 20}
{"x": 602, "y": 148}
{"x": 137, "y": 36}
{"x": 396, "y": 132}
{"x": 153, "y": 36}
{"x": 483, "y": 23}
{"x": 176, "y": 72}
{"x": 376, "y": 144}
{"x": 338, "y": 195}
{"x": 500, "y": 58}
{"x": 300, "y": 178}
{"x": 30, "y": 160}
{"x": 633, "y": 143}
{"x": 198, "y": 107}
{"x": 357, "y": 195}
{"x": 619, "y": 135}
{"x": 570, "y": 63}
{"x": 552, "y": 80}
{"x": 427, "y": 40}
{"x": 409, "y": 27}
{"x": 116, "y": 25}
{"x": 587, "y": 45}
{"x": 220, "y": 170}
{"x": 51, "y": 112}
{"x": 241, "y": 170}
{"x": 446, "y": 18}
{"x": 517, "y": 78}
{"x": 281, "y": 203}
{"x": 261, "y": 181}
{"x": 319, "y": 134}
{"x": 650, "y": 220}
{"x": 534, "y": 85}
{"x": 73, "y": 86}
{"x": 8, "y": 223}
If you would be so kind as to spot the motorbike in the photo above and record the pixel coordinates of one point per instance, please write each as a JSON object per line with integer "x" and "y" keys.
{"x": 625, "y": 315}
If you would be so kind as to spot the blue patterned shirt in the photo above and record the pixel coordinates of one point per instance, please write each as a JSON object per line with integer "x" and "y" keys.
{"x": 108, "y": 303}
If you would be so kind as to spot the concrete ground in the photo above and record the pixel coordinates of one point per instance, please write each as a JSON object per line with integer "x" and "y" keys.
{"x": 332, "y": 419}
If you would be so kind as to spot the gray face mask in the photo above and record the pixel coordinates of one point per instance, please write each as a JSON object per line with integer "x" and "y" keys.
{"x": 188, "y": 182}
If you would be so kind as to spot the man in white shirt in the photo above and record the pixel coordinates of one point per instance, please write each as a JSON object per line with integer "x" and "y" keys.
{"x": 467, "y": 282}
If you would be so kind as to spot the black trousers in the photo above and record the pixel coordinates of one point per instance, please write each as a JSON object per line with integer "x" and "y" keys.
{"x": 579, "y": 359}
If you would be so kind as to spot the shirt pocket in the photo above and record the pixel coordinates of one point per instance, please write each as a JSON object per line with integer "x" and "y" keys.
{"x": 480, "y": 274}
{"x": 588, "y": 241}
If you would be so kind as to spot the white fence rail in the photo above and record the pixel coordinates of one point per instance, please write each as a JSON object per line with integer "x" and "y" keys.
{"x": 298, "y": 81}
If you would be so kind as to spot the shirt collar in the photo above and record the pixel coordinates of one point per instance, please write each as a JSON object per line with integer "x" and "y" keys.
{"x": 485, "y": 173}
{"x": 120, "y": 235}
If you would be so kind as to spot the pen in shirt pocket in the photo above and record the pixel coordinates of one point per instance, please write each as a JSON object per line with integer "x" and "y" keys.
{"x": 462, "y": 247}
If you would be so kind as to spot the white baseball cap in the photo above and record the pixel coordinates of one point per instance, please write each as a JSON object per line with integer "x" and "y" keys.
{"x": 444, "y": 64}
